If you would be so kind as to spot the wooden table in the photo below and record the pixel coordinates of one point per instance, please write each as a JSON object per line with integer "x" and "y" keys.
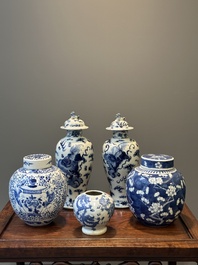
{"x": 125, "y": 240}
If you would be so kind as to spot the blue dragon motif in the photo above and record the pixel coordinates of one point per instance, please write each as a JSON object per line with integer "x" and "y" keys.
{"x": 83, "y": 205}
{"x": 114, "y": 160}
{"x": 70, "y": 166}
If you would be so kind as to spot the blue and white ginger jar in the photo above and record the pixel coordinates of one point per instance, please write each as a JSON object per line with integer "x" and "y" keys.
{"x": 120, "y": 155}
{"x": 156, "y": 190}
{"x": 37, "y": 191}
{"x": 93, "y": 209}
{"x": 74, "y": 156}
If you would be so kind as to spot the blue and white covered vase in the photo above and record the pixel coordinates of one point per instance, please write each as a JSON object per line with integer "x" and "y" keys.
{"x": 156, "y": 190}
{"x": 74, "y": 156}
{"x": 120, "y": 155}
{"x": 94, "y": 209}
{"x": 37, "y": 191}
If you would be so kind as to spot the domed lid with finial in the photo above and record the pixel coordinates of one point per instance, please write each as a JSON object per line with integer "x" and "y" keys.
{"x": 119, "y": 124}
{"x": 74, "y": 123}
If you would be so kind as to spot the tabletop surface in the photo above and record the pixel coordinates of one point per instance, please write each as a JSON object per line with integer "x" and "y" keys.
{"x": 125, "y": 239}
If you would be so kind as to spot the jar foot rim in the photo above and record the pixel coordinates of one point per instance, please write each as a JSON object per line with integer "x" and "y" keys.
{"x": 97, "y": 232}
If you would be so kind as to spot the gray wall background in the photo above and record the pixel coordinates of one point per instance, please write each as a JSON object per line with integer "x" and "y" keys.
{"x": 98, "y": 58}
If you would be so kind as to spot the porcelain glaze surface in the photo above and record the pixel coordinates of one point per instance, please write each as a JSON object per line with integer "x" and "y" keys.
{"x": 93, "y": 209}
{"x": 74, "y": 156}
{"x": 120, "y": 155}
{"x": 37, "y": 191}
{"x": 156, "y": 190}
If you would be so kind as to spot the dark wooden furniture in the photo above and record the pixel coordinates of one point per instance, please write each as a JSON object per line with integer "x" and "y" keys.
{"x": 125, "y": 240}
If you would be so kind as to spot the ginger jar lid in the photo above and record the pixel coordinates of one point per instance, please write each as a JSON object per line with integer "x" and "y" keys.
{"x": 157, "y": 161}
{"x": 74, "y": 123}
{"x": 37, "y": 161}
{"x": 119, "y": 124}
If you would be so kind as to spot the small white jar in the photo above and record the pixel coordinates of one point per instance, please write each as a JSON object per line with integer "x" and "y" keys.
{"x": 93, "y": 209}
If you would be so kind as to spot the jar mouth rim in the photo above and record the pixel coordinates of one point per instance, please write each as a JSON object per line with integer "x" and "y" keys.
{"x": 119, "y": 129}
{"x": 156, "y": 169}
{"x": 37, "y": 161}
{"x": 94, "y": 192}
{"x": 74, "y": 128}
{"x": 37, "y": 157}
{"x": 157, "y": 157}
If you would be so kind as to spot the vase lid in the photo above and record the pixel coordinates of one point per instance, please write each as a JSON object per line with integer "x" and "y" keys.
{"x": 157, "y": 161}
{"x": 37, "y": 161}
{"x": 119, "y": 124}
{"x": 74, "y": 123}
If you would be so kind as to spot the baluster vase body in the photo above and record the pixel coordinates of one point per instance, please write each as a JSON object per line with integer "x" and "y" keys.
{"x": 120, "y": 155}
{"x": 74, "y": 156}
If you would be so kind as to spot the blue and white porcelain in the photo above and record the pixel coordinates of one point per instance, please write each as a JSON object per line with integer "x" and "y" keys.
{"x": 120, "y": 155}
{"x": 156, "y": 190}
{"x": 93, "y": 209}
{"x": 74, "y": 156}
{"x": 37, "y": 191}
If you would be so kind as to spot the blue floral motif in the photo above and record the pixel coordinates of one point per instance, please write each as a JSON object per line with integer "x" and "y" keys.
{"x": 32, "y": 204}
{"x": 156, "y": 197}
{"x": 157, "y": 161}
{"x": 37, "y": 196}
